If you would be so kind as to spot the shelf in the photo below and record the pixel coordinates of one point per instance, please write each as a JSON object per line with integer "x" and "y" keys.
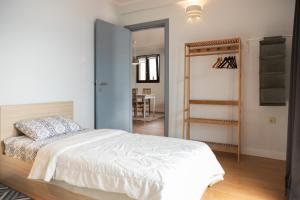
{"x": 213, "y": 121}
{"x": 271, "y": 88}
{"x": 272, "y": 80}
{"x": 213, "y": 53}
{"x": 221, "y": 147}
{"x": 273, "y": 73}
{"x": 226, "y": 42}
{"x": 228, "y": 48}
{"x": 272, "y": 104}
{"x": 215, "y": 102}
{"x": 229, "y": 148}
{"x": 281, "y": 56}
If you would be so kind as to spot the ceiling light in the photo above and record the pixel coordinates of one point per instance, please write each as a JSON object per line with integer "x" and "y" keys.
{"x": 193, "y": 12}
{"x": 134, "y": 60}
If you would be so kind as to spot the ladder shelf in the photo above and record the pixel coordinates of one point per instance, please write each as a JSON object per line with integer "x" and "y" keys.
{"x": 215, "y": 102}
{"x": 207, "y": 48}
{"x": 213, "y": 121}
{"x": 221, "y": 147}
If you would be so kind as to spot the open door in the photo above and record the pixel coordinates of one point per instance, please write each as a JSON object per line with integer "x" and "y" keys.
{"x": 112, "y": 77}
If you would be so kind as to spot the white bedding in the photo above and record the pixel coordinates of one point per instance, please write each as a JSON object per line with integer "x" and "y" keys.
{"x": 142, "y": 167}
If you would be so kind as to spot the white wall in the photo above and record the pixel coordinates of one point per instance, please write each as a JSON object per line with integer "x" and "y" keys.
{"x": 47, "y": 52}
{"x": 156, "y": 88}
{"x": 225, "y": 19}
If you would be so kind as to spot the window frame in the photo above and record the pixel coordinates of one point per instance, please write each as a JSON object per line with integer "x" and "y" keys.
{"x": 148, "y": 69}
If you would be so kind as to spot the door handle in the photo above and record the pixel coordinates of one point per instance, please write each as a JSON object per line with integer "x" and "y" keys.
{"x": 103, "y": 84}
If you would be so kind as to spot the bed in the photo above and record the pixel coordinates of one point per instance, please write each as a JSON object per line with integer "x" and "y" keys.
{"x": 143, "y": 167}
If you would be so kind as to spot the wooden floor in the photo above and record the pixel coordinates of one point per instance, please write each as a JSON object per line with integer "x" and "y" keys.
{"x": 155, "y": 127}
{"x": 253, "y": 178}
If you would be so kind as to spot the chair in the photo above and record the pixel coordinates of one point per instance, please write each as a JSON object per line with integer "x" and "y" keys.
{"x": 148, "y": 102}
{"x": 138, "y": 106}
{"x": 146, "y": 90}
{"x": 135, "y": 91}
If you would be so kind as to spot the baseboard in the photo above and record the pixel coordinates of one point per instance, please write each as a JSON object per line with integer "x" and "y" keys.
{"x": 266, "y": 154}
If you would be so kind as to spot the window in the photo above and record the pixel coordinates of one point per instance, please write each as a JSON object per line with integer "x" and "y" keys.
{"x": 142, "y": 69}
{"x": 148, "y": 69}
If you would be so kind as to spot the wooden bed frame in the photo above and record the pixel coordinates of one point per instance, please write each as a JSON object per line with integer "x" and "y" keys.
{"x": 14, "y": 172}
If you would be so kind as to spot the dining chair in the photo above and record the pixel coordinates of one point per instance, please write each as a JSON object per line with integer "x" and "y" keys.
{"x": 146, "y": 90}
{"x": 138, "y": 106}
{"x": 148, "y": 102}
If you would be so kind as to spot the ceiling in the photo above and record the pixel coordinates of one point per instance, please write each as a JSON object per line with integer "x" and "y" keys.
{"x": 129, "y": 6}
{"x": 126, "y": 2}
{"x": 149, "y": 38}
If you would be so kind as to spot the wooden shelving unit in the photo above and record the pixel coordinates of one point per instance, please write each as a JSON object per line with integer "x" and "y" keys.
{"x": 212, "y": 121}
{"x": 206, "y": 48}
{"x": 228, "y": 148}
{"x": 215, "y": 102}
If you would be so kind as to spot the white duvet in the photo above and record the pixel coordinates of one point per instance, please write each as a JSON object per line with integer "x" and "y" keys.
{"x": 142, "y": 167}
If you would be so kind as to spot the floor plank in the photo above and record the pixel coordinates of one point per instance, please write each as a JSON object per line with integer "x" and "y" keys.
{"x": 253, "y": 178}
{"x": 155, "y": 127}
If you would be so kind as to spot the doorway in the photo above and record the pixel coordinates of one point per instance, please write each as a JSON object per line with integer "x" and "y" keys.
{"x": 150, "y": 77}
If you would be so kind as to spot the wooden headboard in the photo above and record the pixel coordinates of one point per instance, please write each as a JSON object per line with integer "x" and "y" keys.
{"x": 9, "y": 115}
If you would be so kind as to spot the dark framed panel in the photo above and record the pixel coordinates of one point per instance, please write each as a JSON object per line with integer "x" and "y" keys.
{"x": 147, "y": 75}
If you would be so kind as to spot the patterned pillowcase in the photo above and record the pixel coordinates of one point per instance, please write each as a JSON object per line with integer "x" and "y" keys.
{"x": 43, "y": 128}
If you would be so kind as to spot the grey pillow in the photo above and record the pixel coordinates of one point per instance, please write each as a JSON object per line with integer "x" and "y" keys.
{"x": 47, "y": 127}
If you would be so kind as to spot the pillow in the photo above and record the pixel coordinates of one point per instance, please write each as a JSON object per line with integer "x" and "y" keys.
{"x": 43, "y": 128}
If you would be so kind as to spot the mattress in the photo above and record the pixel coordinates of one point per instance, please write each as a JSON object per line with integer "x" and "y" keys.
{"x": 25, "y": 148}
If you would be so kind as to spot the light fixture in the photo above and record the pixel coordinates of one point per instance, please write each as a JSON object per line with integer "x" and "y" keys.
{"x": 134, "y": 61}
{"x": 193, "y": 12}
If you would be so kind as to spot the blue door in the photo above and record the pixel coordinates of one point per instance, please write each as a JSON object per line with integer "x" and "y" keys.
{"x": 112, "y": 77}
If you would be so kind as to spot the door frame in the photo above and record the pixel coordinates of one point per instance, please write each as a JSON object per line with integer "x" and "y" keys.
{"x": 164, "y": 23}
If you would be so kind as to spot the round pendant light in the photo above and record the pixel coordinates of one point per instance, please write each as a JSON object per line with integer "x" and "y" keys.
{"x": 134, "y": 60}
{"x": 193, "y": 12}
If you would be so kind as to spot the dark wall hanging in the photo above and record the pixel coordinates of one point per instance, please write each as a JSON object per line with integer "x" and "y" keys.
{"x": 272, "y": 72}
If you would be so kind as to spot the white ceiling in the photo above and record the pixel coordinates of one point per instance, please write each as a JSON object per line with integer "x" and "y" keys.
{"x": 149, "y": 38}
{"x": 129, "y": 6}
{"x": 126, "y": 2}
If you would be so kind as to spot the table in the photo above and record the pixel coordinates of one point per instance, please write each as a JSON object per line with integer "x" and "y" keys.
{"x": 145, "y": 97}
